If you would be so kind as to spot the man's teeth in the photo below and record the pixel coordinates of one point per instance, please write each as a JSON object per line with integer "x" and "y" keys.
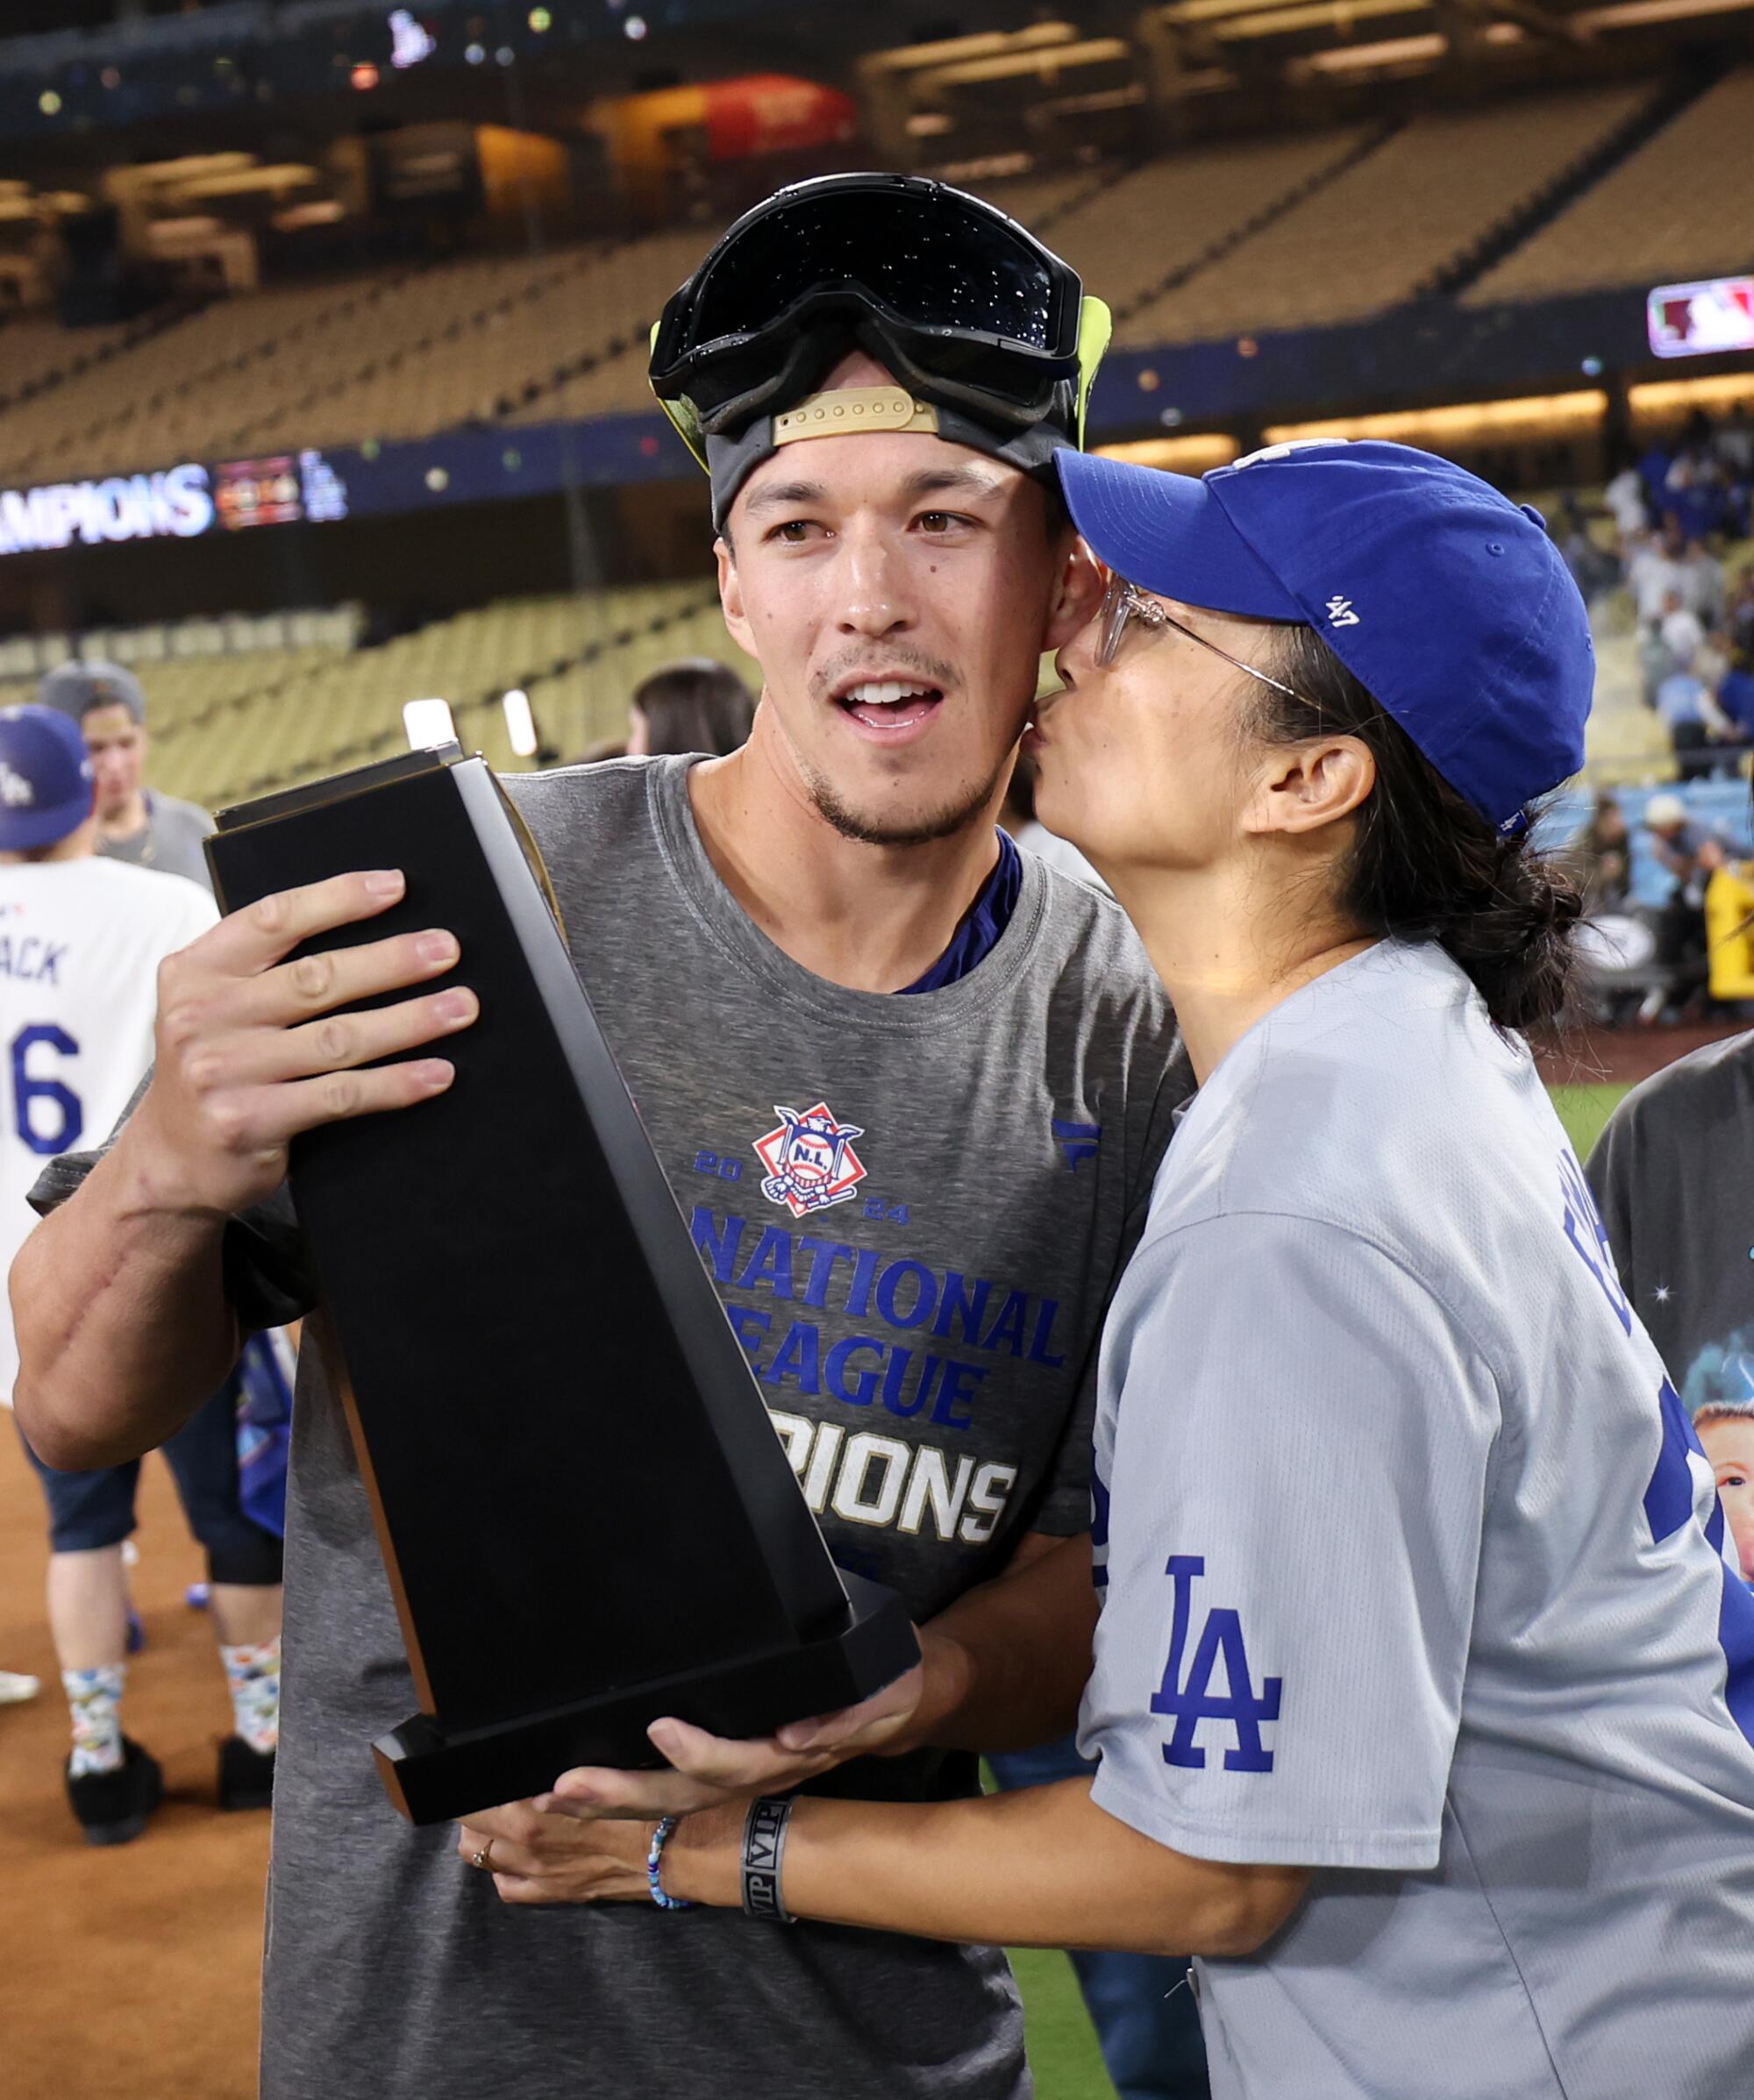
{"x": 883, "y": 693}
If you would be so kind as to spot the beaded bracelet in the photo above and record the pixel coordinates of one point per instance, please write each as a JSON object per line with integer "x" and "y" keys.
{"x": 655, "y": 1861}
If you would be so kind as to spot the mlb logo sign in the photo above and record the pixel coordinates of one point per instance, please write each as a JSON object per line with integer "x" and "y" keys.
{"x": 810, "y": 1162}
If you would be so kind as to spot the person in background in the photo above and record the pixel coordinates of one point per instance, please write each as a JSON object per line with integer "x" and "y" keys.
{"x": 1623, "y": 499}
{"x": 1600, "y": 859}
{"x": 134, "y": 821}
{"x": 1703, "y": 589}
{"x": 695, "y": 704}
{"x": 1682, "y": 703}
{"x": 1735, "y": 695}
{"x": 1690, "y": 852}
{"x": 1654, "y": 569}
{"x": 81, "y": 941}
{"x": 1670, "y": 1174}
{"x": 1726, "y": 1433}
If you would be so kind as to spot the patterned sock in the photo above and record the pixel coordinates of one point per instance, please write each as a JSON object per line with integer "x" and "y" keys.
{"x": 253, "y": 1673}
{"x": 94, "y": 1700}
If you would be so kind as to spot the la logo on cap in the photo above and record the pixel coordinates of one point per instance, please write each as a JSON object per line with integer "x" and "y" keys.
{"x": 15, "y": 791}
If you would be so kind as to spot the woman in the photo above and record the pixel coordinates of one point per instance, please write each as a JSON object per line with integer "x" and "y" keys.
{"x": 1421, "y": 1701}
{"x": 695, "y": 704}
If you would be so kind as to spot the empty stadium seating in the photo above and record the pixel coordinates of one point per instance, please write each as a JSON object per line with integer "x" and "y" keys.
{"x": 230, "y": 720}
{"x": 1388, "y": 221}
{"x": 1675, "y": 210}
{"x": 1301, "y": 230}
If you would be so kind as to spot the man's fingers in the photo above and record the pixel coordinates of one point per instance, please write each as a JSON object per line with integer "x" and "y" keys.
{"x": 894, "y": 1702}
{"x": 256, "y": 937}
{"x": 733, "y": 1766}
{"x": 264, "y": 1119}
{"x": 589, "y": 1794}
{"x": 313, "y": 984}
{"x": 339, "y": 1042}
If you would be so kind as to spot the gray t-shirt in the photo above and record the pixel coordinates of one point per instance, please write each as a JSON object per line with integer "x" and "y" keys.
{"x": 171, "y": 838}
{"x": 924, "y": 1321}
{"x": 1672, "y": 1171}
{"x": 1414, "y": 1576}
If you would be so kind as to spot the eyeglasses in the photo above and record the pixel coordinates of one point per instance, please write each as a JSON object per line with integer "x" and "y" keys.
{"x": 1123, "y": 602}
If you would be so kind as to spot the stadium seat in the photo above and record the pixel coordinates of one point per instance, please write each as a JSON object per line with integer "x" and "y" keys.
{"x": 1663, "y": 216}
{"x": 1389, "y": 221}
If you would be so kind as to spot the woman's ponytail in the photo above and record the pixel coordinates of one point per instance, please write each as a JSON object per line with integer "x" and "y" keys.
{"x": 1424, "y": 862}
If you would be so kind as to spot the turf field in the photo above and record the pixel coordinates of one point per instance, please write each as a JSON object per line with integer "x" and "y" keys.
{"x": 1062, "y": 2047}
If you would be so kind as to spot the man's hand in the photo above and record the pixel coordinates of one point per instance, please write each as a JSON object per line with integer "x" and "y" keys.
{"x": 250, "y": 1050}
{"x": 708, "y": 1771}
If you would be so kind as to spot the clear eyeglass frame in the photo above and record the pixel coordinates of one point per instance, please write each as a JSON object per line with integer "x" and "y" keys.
{"x": 1122, "y": 602}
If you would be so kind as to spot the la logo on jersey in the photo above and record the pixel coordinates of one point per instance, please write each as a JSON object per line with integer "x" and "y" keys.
{"x": 810, "y": 1162}
{"x": 1193, "y": 1700}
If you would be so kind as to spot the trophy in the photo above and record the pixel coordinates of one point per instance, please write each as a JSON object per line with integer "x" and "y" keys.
{"x": 586, "y": 1516}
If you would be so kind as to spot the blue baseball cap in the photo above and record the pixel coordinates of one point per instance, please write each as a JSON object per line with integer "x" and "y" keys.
{"x": 1447, "y": 601}
{"x": 46, "y": 787}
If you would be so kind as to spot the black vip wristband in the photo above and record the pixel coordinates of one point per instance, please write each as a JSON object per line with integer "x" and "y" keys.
{"x": 764, "y": 1849}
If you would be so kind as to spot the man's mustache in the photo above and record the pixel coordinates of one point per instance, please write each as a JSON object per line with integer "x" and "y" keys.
{"x": 881, "y": 663}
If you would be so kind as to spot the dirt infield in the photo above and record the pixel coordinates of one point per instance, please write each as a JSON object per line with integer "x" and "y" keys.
{"x": 131, "y": 1971}
{"x": 1623, "y": 1056}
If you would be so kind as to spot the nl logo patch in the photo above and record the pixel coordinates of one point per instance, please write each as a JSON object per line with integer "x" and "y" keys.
{"x": 810, "y": 1162}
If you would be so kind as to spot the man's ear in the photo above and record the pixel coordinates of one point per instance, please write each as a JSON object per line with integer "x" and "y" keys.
{"x": 1077, "y": 592}
{"x": 730, "y": 598}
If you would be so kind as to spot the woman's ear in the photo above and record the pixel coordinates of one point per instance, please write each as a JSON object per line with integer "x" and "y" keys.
{"x": 1302, "y": 788}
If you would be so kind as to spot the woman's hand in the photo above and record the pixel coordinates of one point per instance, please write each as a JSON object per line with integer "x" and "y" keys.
{"x": 544, "y": 1854}
{"x": 537, "y": 1857}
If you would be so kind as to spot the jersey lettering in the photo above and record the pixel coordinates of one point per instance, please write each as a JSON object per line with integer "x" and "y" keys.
{"x": 1221, "y": 1640}
{"x": 37, "y": 960}
{"x": 45, "y": 1137}
{"x": 1585, "y": 1229}
{"x": 1681, "y": 1482}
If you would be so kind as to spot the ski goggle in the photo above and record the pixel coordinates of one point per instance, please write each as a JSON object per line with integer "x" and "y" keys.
{"x": 964, "y": 306}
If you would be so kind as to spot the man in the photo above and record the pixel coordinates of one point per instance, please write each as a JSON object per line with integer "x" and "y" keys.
{"x": 1689, "y": 852}
{"x": 81, "y": 941}
{"x": 134, "y": 821}
{"x": 926, "y": 1338}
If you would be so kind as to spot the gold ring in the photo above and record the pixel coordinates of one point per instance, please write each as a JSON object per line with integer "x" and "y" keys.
{"x": 483, "y": 1859}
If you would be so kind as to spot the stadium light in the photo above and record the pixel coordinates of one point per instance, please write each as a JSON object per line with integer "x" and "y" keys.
{"x": 428, "y": 722}
{"x": 520, "y": 723}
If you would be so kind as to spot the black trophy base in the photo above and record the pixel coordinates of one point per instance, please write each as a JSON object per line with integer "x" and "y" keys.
{"x": 435, "y": 1775}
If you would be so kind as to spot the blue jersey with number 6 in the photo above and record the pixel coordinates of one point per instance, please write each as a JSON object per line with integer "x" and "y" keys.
{"x": 1413, "y": 1575}
{"x": 81, "y": 941}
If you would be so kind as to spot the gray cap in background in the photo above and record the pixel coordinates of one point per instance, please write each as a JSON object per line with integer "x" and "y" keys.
{"x": 76, "y": 688}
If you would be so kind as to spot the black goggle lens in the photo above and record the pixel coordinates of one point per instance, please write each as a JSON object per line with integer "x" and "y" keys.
{"x": 930, "y": 263}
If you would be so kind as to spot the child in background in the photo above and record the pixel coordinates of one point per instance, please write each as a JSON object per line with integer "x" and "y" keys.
{"x": 1726, "y": 1433}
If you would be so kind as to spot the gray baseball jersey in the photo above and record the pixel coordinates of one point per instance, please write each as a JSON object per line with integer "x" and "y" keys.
{"x": 1412, "y": 1575}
